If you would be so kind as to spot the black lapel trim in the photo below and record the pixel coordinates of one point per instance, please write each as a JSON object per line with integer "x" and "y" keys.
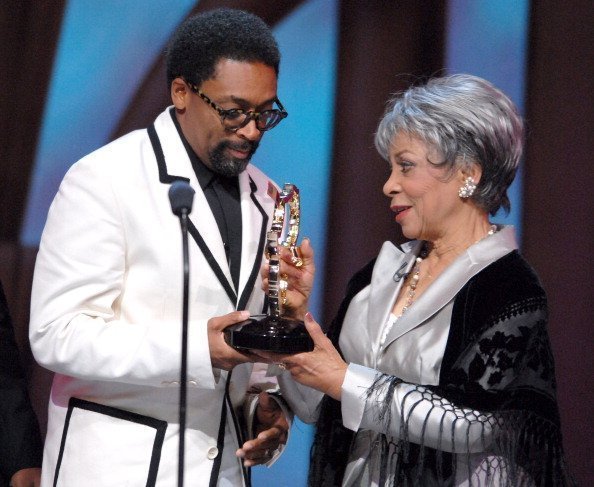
{"x": 166, "y": 178}
{"x": 159, "y": 426}
{"x": 246, "y": 471}
{"x": 258, "y": 262}
{"x": 212, "y": 262}
{"x": 214, "y": 474}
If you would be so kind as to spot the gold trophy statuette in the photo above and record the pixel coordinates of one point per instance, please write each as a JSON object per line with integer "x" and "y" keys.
{"x": 275, "y": 332}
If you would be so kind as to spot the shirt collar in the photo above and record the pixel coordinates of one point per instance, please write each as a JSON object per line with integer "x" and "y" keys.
{"x": 204, "y": 174}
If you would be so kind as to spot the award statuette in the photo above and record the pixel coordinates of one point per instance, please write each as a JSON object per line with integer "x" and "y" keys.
{"x": 274, "y": 332}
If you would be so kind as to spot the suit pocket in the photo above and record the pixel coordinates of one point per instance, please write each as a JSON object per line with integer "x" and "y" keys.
{"x": 104, "y": 446}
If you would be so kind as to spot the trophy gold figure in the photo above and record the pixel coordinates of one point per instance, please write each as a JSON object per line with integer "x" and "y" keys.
{"x": 275, "y": 332}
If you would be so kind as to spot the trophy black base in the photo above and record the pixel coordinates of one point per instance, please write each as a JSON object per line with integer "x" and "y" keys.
{"x": 270, "y": 334}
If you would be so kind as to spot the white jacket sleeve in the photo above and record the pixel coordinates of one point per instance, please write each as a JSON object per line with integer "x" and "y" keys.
{"x": 415, "y": 414}
{"x": 82, "y": 275}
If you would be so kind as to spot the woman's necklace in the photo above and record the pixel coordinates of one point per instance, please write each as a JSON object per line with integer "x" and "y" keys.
{"x": 414, "y": 283}
{"x": 492, "y": 230}
{"x": 414, "y": 280}
{"x": 416, "y": 273}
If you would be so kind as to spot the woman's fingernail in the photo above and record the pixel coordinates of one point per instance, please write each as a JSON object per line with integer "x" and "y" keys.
{"x": 308, "y": 316}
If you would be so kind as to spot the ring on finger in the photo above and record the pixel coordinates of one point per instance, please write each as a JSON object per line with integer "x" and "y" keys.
{"x": 282, "y": 365}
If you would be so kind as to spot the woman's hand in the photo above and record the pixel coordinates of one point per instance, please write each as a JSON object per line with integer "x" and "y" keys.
{"x": 300, "y": 279}
{"x": 323, "y": 368}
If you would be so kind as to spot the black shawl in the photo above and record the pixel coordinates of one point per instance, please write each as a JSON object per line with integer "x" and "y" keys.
{"x": 497, "y": 361}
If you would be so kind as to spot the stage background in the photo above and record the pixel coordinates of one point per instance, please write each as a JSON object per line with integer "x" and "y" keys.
{"x": 77, "y": 74}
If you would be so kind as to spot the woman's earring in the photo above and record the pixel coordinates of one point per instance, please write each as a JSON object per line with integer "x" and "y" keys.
{"x": 467, "y": 189}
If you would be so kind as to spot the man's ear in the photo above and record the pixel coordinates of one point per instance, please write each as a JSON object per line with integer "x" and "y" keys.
{"x": 179, "y": 93}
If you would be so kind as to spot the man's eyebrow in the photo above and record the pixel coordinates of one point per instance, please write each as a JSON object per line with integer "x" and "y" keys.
{"x": 246, "y": 103}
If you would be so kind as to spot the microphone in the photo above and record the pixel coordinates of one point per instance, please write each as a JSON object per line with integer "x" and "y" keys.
{"x": 181, "y": 196}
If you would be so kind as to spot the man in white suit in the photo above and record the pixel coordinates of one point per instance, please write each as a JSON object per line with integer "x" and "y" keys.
{"x": 106, "y": 304}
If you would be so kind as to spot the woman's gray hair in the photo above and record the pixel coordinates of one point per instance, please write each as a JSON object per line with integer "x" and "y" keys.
{"x": 467, "y": 120}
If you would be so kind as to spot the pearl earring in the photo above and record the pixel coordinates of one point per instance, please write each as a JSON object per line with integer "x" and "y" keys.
{"x": 467, "y": 189}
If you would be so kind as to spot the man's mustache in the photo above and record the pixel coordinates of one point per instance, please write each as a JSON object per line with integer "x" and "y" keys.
{"x": 245, "y": 146}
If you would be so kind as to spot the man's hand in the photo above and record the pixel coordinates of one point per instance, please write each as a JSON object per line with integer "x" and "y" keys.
{"x": 271, "y": 431}
{"x": 222, "y": 355}
{"x": 27, "y": 477}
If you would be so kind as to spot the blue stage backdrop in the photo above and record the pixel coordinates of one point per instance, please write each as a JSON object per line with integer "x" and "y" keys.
{"x": 104, "y": 52}
{"x": 489, "y": 39}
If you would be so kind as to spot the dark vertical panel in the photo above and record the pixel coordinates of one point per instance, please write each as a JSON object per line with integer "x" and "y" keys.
{"x": 383, "y": 47}
{"x": 153, "y": 95}
{"x": 28, "y": 36}
{"x": 40, "y": 379}
{"x": 29, "y": 32}
{"x": 16, "y": 273}
{"x": 559, "y": 203}
{"x": 8, "y": 268}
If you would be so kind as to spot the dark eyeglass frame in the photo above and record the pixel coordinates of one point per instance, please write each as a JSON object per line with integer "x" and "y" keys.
{"x": 228, "y": 115}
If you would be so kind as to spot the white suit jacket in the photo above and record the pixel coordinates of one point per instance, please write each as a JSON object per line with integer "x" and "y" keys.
{"x": 106, "y": 315}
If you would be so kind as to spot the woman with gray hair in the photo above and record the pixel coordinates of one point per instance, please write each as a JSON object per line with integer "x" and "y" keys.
{"x": 438, "y": 368}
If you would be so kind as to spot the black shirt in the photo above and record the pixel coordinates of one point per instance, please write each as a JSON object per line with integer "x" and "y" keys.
{"x": 222, "y": 194}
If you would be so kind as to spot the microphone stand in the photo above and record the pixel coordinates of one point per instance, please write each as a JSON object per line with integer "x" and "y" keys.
{"x": 181, "y": 196}
{"x": 183, "y": 394}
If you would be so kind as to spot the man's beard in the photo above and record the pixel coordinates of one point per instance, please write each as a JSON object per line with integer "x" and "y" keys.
{"x": 230, "y": 167}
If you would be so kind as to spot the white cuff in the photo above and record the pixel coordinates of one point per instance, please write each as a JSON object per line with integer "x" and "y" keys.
{"x": 357, "y": 381}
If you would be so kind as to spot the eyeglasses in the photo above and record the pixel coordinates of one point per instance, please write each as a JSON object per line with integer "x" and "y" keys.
{"x": 236, "y": 118}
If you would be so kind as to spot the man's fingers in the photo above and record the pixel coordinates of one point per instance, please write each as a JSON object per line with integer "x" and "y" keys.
{"x": 237, "y": 316}
{"x": 222, "y": 322}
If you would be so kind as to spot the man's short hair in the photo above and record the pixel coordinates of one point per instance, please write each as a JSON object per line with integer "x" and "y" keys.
{"x": 203, "y": 40}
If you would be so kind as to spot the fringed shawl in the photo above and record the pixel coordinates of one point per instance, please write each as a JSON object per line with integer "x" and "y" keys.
{"x": 497, "y": 372}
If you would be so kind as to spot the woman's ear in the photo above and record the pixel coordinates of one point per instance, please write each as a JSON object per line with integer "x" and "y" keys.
{"x": 473, "y": 171}
{"x": 179, "y": 93}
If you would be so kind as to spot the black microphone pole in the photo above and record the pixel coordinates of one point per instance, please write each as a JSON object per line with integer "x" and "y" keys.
{"x": 181, "y": 196}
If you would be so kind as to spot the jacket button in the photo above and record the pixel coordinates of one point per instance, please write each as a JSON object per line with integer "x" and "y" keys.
{"x": 212, "y": 453}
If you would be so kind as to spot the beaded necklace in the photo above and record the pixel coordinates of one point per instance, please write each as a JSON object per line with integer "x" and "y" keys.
{"x": 412, "y": 286}
{"x": 414, "y": 281}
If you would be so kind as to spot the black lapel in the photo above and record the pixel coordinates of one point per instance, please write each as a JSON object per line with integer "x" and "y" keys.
{"x": 212, "y": 262}
{"x": 166, "y": 178}
{"x": 249, "y": 286}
